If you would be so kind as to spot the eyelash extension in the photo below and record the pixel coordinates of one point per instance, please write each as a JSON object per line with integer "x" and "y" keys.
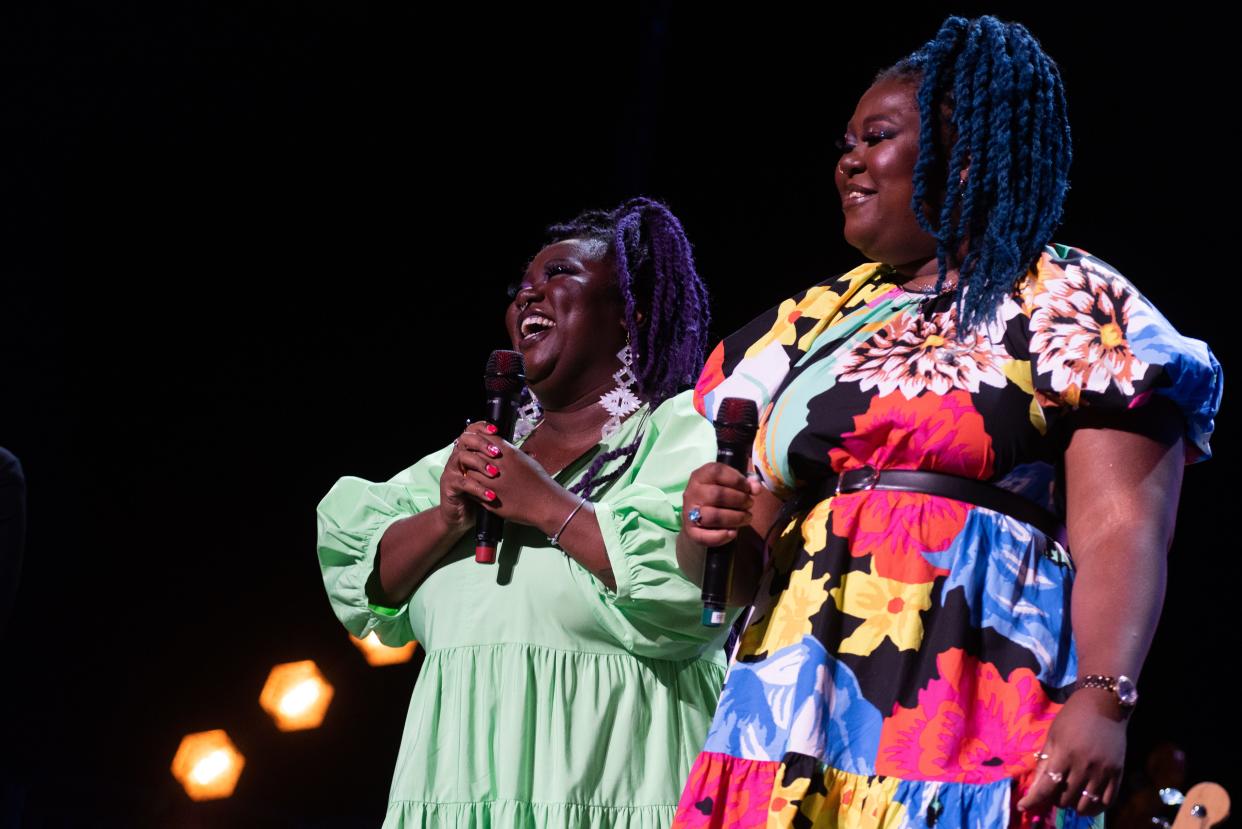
{"x": 870, "y": 139}
{"x": 511, "y": 290}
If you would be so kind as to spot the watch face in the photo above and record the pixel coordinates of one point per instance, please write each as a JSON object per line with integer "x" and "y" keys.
{"x": 1126, "y": 690}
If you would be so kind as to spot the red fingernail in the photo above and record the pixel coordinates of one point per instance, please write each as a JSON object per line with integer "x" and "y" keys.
{"x": 491, "y": 430}
{"x": 489, "y": 495}
{"x": 491, "y": 470}
{"x": 493, "y": 451}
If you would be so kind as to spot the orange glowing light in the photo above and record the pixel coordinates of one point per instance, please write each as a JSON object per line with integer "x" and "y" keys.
{"x": 377, "y": 653}
{"x": 296, "y": 696}
{"x": 207, "y": 765}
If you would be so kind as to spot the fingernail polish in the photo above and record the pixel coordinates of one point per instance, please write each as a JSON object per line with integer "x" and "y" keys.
{"x": 493, "y": 451}
{"x": 489, "y": 495}
{"x": 491, "y": 470}
{"x": 491, "y": 429}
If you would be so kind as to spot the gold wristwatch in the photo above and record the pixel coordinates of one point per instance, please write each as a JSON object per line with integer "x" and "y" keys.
{"x": 1121, "y": 686}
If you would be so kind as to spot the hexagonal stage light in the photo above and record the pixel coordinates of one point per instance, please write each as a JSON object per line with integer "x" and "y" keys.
{"x": 296, "y": 696}
{"x": 377, "y": 653}
{"x": 207, "y": 765}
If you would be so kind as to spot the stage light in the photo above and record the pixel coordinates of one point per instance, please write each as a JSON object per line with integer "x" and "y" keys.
{"x": 377, "y": 653}
{"x": 207, "y": 765}
{"x": 296, "y": 696}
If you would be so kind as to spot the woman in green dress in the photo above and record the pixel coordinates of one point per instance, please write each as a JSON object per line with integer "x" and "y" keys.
{"x": 570, "y": 684}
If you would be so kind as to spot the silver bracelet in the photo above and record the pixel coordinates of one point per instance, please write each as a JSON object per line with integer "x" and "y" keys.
{"x": 555, "y": 538}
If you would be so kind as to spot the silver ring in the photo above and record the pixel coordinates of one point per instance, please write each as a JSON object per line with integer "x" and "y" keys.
{"x": 1040, "y": 756}
{"x": 695, "y": 516}
{"x": 1055, "y": 776}
{"x": 1094, "y": 798}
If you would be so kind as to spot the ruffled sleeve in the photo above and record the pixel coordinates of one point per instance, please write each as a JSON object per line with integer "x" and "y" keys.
{"x": 655, "y": 610}
{"x": 1097, "y": 344}
{"x": 352, "y": 518}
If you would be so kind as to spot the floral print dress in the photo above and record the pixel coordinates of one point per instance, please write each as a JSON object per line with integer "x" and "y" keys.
{"x": 908, "y": 652}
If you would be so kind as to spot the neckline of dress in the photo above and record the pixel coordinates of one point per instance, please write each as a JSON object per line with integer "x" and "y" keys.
{"x": 604, "y": 443}
{"x": 890, "y": 275}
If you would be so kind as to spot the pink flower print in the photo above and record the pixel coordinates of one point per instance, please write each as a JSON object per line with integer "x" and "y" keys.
{"x": 727, "y": 791}
{"x": 970, "y": 726}
{"x": 944, "y": 433}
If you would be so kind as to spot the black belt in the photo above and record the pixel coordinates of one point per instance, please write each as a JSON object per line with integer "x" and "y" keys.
{"x": 949, "y": 486}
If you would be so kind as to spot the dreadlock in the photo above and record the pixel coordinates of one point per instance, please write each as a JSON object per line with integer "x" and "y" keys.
{"x": 1006, "y": 120}
{"x": 656, "y": 275}
{"x": 655, "y": 269}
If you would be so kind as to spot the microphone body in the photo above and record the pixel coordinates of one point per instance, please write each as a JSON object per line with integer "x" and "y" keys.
{"x": 737, "y": 421}
{"x": 503, "y": 380}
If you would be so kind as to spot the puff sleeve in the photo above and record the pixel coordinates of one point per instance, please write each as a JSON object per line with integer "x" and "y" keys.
{"x": 352, "y": 518}
{"x": 655, "y": 610}
{"x": 1097, "y": 343}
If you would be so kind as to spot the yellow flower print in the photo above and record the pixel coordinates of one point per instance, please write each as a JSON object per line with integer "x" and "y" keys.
{"x": 871, "y": 288}
{"x": 771, "y": 473}
{"x": 787, "y": 546}
{"x": 791, "y": 618}
{"x": 789, "y": 312}
{"x": 815, "y": 527}
{"x": 861, "y": 802}
{"x": 785, "y": 550}
{"x": 826, "y": 306}
{"x": 844, "y": 801}
{"x": 788, "y": 801}
{"x": 820, "y": 304}
{"x": 891, "y": 610}
{"x": 1019, "y": 373}
{"x": 754, "y": 636}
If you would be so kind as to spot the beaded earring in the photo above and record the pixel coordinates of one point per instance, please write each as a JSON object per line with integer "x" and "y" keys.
{"x": 529, "y": 415}
{"x": 621, "y": 401}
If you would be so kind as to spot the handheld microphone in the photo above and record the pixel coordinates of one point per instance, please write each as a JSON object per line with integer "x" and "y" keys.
{"x": 737, "y": 420}
{"x": 503, "y": 380}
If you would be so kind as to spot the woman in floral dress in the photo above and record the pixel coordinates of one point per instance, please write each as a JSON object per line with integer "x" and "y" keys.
{"x": 910, "y": 659}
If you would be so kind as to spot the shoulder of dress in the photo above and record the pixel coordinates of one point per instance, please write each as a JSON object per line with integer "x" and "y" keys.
{"x": 1060, "y": 265}
{"x": 679, "y": 407}
{"x": 845, "y": 280}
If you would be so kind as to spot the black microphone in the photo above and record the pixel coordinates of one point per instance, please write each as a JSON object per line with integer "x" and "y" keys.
{"x": 503, "y": 379}
{"x": 737, "y": 420}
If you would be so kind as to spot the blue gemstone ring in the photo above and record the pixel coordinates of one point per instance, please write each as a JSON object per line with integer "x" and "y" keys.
{"x": 694, "y": 515}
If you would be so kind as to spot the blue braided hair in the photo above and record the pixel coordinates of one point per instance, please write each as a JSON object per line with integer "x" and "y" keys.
{"x": 989, "y": 100}
{"x": 656, "y": 275}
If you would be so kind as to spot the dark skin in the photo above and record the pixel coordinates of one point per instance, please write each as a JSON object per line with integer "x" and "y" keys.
{"x": 569, "y": 364}
{"x": 1120, "y": 483}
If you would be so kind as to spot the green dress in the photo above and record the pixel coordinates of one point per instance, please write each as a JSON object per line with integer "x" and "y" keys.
{"x": 545, "y": 698}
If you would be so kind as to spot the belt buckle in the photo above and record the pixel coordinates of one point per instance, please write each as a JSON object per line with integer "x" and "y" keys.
{"x": 868, "y": 483}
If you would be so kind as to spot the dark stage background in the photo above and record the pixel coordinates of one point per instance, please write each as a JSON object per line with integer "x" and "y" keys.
{"x": 250, "y": 248}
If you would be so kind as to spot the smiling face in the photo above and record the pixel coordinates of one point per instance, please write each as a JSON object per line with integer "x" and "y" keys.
{"x": 875, "y": 178}
{"x": 567, "y": 320}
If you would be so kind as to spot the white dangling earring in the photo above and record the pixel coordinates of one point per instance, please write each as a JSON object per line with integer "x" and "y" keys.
{"x": 620, "y": 402}
{"x": 529, "y": 416}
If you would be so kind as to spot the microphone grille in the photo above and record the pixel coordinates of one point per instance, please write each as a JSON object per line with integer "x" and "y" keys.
{"x": 505, "y": 372}
{"x": 737, "y": 420}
